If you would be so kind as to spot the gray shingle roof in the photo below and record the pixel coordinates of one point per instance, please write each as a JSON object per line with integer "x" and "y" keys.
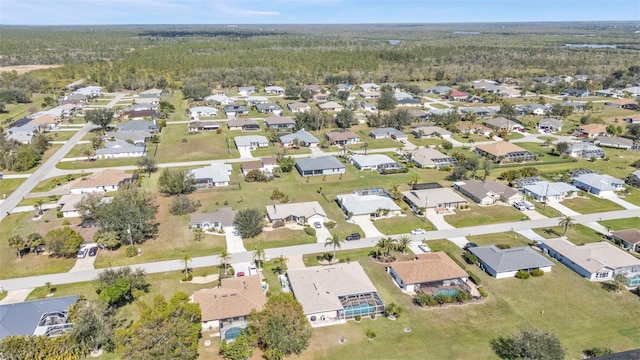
{"x": 22, "y": 318}
{"x": 319, "y": 163}
{"x": 505, "y": 260}
{"x": 302, "y": 135}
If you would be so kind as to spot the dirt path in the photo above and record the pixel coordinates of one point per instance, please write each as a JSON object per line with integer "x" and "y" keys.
{"x": 23, "y": 69}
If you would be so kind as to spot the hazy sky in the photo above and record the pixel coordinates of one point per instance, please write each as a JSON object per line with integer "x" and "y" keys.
{"x": 90, "y": 12}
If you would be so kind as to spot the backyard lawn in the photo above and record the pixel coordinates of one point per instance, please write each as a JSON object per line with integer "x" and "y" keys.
{"x": 483, "y": 215}
{"x": 591, "y": 204}
{"x": 577, "y": 234}
{"x": 402, "y": 224}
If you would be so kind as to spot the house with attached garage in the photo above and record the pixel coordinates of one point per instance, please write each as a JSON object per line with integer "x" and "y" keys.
{"x": 532, "y": 109}
{"x": 632, "y": 91}
{"x": 23, "y": 134}
{"x": 409, "y": 103}
{"x": 273, "y": 90}
{"x": 599, "y": 261}
{"x": 544, "y": 191}
{"x": 431, "y": 158}
{"x": 149, "y": 126}
{"x": 266, "y": 165}
{"x": 140, "y": 114}
{"x": 320, "y": 166}
{"x": 298, "y": 107}
{"x": 304, "y": 212}
{"x": 330, "y": 106}
{"x": 213, "y": 221}
{"x": 256, "y": 100}
{"x": 474, "y": 129}
{"x": 634, "y": 178}
{"x": 374, "y": 206}
{"x": 378, "y": 162}
{"x": 333, "y": 294}
{"x": 251, "y": 142}
{"x": 443, "y": 200}
{"x": 369, "y": 94}
{"x": 501, "y": 124}
{"x": 576, "y": 93}
{"x": 302, "y": 137}
{"x": 369, "y": 87}
{"x": 428, "y": 273}
{"x": 505, "y": 263}
{"x": 68, "y": 204}
{"x": 226, "y": 308}
{"x": 585, "y": 150}
{"x": 399, "y": 95}
{"x": 488, "y": 192}
{"x": 212, "y": 176}
{"x": 45, "y": 317}
{"x": 235, "y": 110}
{"x": 628, "y": 239}
{"x": 101, "y": 181}
{"x": 198, "y": 111}
{"x": 243, "y": 124}
{"x": 199, "y": 125}
{"x": 388, "y": 133}
{"x": 633, "y": 119}
{"x": 483, "y": 83}
{"x": 616, "y": 142}
{"x": 246, "y": 90}
{"x": 269, "y": 108}
{"x": 280, "y": 123}
{"x": 422, "y": 132}
{"x": 627, "y": 104}
{"x": 601, "y": 185}
{"x": 342, "y": 137}
{"x": 120, "y": 149}
{"x": 314, "y": 88}
{"x": 440, "y": 90}
{"x": 223, "y": 100}
{"x": 135, "y": 137}
{"x": 505, "y": 152}
{"x": 592, "y": 131}
{"x": 549, "y": 124}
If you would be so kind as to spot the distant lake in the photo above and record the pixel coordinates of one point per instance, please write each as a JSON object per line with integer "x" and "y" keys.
{"x": 591, "y": 46}
{"x": 395, "y": 42}
{"x": 466, "y": 32}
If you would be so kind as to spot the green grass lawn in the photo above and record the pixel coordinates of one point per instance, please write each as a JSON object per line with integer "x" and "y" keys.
{"x": 51, "y": 183}
{"x": 275, "y": 150}
{"x": 47, "y": 200}
{"x": 402, "y": 224}
{"x": 483, "y": 215}
{"x": 621, "y": 224}
{"x": 547, "y": 211}
{"x": 508, "y": 237}
{"x": 77, "y": 150}
{"x": 61, "y": 135}
{"x": 279, "y": 238}
{"x": 81, "y": 164}
{"x": 515, "y": 135}
{"x": 8, "y": 186}
{"x": 176, "y": 144}
{"x": 633, "y": 196}
{"x": 591, "y": 204}
{"x": 465, "y": 332}
{"x": 426, "y": 141}
{"x": 466, "y": 138}
{"x": 577, "y": 234}
{"x": 14, "y": 112}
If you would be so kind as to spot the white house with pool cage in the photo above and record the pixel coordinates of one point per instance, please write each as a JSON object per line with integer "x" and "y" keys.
{"x": 332, "y": 295}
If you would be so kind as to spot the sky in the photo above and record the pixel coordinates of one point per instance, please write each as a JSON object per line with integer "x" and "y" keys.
{"x": 108, "y": 12}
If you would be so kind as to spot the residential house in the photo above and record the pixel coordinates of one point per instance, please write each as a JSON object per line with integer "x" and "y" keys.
{"x": 235, "y": 110}
{"x": 577, "y": 106}
{"x": 428, "y": 273}
{"x": 243, "y": 124}
{"x": 140, "y": 125}
{"x": 431, "y": 158}
{"x": 632, "y": 91}
{"x": 369, "y": 87}
{"x": 314, "y": 88}
{"x": 273, "y": 90}
{"x": 409, "y": 103}
{"x": 302, "y": 137}
{"x": 298, "y": 107}
{"x": 226, "y": 308}
{"x": 320, "y": 166}
{"x": 474, "y": 129}
{"x": 147, "y": 99}
{"x": 374, "y": 206}
{"x": 634, "y": 178}
{"x": 251, "y": 142}
{"x": 544, "y": 191}
{"x": 420, "y": 115}
{"x": 598, "y": 261}
{"x": 592, "y": 131}
{"x": 344, "y": 87}
{"x": 532, "y": 109}
{"x": 342, "y": 137}
{"x": 505, "y": 263}
{"x": 198, "y": 125}
{"x": 265, "y": 165}
{"x": 211, "y": 176}
{"x": 585, "y": 150}
{"x": 135, "y": 137}
{"x": 140, "y": 114}
{"x": 501, "y": 124}
{"x": 89, "y": 91}
{"x": 73, "y": 99}
{"x": 120, "y": 149}
{"x": 213, "y": 221}
{"x": 488, "y": 192}
{"x": 330, "y": 106}
{"x": 505, "y": 152}
{"x": 46, "y": 121}
{"x": 506, "y": 91}
{"x": 198, "y": 111}
{"x": 101, "y": 181}
{"x": 607, "y": 93}
{"x": 246, "y": 90}
{"x": 614, "y": 142}
{"x": 422, "y": 132}
{"x": 269, "y": 108}
{"x": 440, "y": 90}
{"x": 601, "y": 185}
{"x": 378, "y": 162}
{"x": 320, "y": 97}
{"x": 482, "y": 83}
{"x": 256, "y": 100}
{"x": 48, "y": 317}
{"x": 68, "y": 204}
{"x": 576, "y": 93}
{"x": 628, "y": 239}
{"x": 549, "y": 124}
{"x": 388, "y": 133}
{"x": 458, "y": 96}
{"x": 369, "y": 94}
{"x": 367, "y": 106}
{"x": 623, "y": 104}
{"x": 399, "y": 95}
{"x": 334, "y": 294}
{"x": 440, "y": 199}
{"x": 280, "y": 123}
{"x": 304, "y": 212}
{"x": 223, "y": 100}
{"x": 23, "y": 134}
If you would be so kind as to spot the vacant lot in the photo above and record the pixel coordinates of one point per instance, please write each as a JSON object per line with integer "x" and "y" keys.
{"x": 577, "y": 234}
{"x": 591, "y": 204}
{"x": 176, "y": 144}
{"x": 402, "y": 224}
{"x": 482, "y": 215}
{"x": 8, "y": 186}
{"x": 621, "y": 224}
{"x": 279, "y": 238}
{"x": 23, "y": 69}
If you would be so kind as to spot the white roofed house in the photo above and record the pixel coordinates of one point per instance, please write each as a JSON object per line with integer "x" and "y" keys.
{"x": 216, "y": 220}
{"x": 369, "y": 86}
{"x": 378, "y": 162}
{"x": 255, "y": 100}
{"x": 601, "y": 185}
{"x": 441, "y": 199}
{"x": 544, "y": 191}
{"x": 302, "y": 137}
{"x": 220, "y": 99}
{"x": 246, "y": 90}
{"x": 330, "y": 106}
{"x": 585, "y": 150}
{"x": 298, "y": 107}
{"x": 273, "y": 90}
{"x": 430, "y": 131}
{"x": 251, "y": 142}
{"x": 269, "y": 108}
{"x": 304, "y": 212}
{"x": 550, "y": 124}
{"x": 212, "y": 176}
{"x": 23, "y": 134}
{"x": 204, "y": 111}
{"x": 388, "y": 133}
{"x": 614, "y": 142}
{"x": 136, "y": 137}
{"x": 120, "y": 149}
{"x": 373, "y": 205}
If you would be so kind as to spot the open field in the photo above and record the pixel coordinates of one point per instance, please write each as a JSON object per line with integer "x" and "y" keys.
{"x": 482, "y": 215}
{"x": 100, "y": 163}
{"x": 23, "y": 69}
{"x": 61, "y": 135}
{"x": 402, "y": 224}
{"x": 591, "y": 204}
{"x": 577, "y": 234}
{"x": 279, "y": 238}
{"x": 8, "y": 186}
{"x": 176, "y": 144}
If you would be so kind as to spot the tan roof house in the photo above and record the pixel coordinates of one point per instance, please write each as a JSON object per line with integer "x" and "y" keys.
{"x": 342, "y": 137}
{"x": 593, "y": 130}
{"x": 434, "y": 270}
{"x": 504, "y": 151}
{"x": 228, "y": 306}
{"x": 629, "y": 239}
{"x": 488, "y": 192}
{"x": 330, "y": 106}
{"x": 432, "y": 158}
{"x": 101, "y": 181}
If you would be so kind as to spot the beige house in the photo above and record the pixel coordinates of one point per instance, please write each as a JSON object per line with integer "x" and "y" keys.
{"x": 504, "y": 151}
{"x": 488, "y": 192}
{"x": 428, "y": 271}
{"x": 101, "y": 181}
{"x": 629, "y": 239}
{"x": 441, "y": 199}
{"x": 226, "y": 308}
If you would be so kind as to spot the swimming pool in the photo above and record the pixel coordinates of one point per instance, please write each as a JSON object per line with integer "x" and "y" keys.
{"x": 633, "y": 281}
{"x": 232, "y": 333}
{"x": 448, "y": 292}
{"x": 359, "y": 309}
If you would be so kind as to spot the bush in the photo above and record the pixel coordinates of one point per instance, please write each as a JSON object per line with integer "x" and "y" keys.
{"x": 474, "y": 278}
{"x": 310, "y": 231}
{"x": 370, "y": 334}
{"x": 469, "y": 258}
{"x": 373, "y": 316}
{"x": 447, "y": 145}
{"x": 393, "y": 310}
{"x": 522, "y": 274}
{"x": 445, "y": 168}
{"x": 131, "y": 251}
{"x": 597, "y": 351}
{"x": 358, "y": 317}
{"x": 65, "y": 222}
{"x": 59, "y": 215}
{"x": 537, "y": 272}
{"x": 277, "y": 224}
{"x": 482, "y": 291}
{"x": 330, "y": 224}
{"x": 503, "y": 246}
{"x": 182, "y": 205}
{"x": 394, "y": 171}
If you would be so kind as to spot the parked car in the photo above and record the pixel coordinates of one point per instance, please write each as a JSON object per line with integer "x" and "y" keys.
{"x": 93, "y": 251}
{"x": 528, "y": 205}
{"x": 317, "y": 225}
{"x": 354, "y": 236}
{"x": 520, "y": 206}
{"x": 240, "y": 273}
{"x": 418, "y": 231}
{"x": 470, "y": 245}
{"x": 424, "y": 248}
{"x": 82, "y": 253}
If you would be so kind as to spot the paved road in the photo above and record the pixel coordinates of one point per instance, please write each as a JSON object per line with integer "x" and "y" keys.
{"x": 12, "y": 200}
{"x": 175, "y": 265}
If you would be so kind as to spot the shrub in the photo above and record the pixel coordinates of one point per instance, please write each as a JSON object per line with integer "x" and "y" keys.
{"x": 370, "y": 334}
{"x": 330, "y": 224}
{"x": 522, "y": 274}
{"x": 447, "y": 145}
{"x": 131, "y": 251}
{"x": 66, "y": 222}
{"x": 358, "y": 317}
{"x": 597, "y": 351}
{"x": 393, "y": 310}
{"x": 373, "y": 316}
{"x": 278, "y": 224}
{"x": 474, "y": 278}
{"x": 482, "y": 291}
{"x": 59, "y": 215}
{"x": 182, "y": 205}
{"x": 503, "y": 246}
{"x": 537, "y": 272}
{"x": 469, "y": 257}
{"x": 310, "y": 231}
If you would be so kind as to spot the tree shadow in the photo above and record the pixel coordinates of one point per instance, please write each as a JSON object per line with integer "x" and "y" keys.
{"x": 550, "y": 231}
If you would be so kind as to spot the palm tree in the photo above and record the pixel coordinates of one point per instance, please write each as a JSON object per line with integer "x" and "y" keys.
{"x": 281, "y": 264}
{"x": 566, "y": 222}
{"x": 365, "y": 146}
{"x": 402, "y": 243}
{"x": 334, "y": 241}
{"x": 48, "y": 285}
{"x": 385, "y": 246}
{"x": 38, "y": 206}
{"x": 414, "y": 180}
{"x": 225, "y": 258}
{"x": 258, "y": 255}
{"x": 17, "y": 243}
{"x": 185, "y": 261}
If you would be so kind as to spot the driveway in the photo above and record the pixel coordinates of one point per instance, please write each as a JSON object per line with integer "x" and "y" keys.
{"x": 438, "y": 220}
{"x": 316, "y": 151}
{"x": 627, "y": 205}
{"x": 366, "y": 225}
{"x": 563, "y": 209}
{"x": 16, "y": 296}
{"x": 245, "y": 154}
{"x": 84, "y": 264}
{"x": 530, "y": 234}
{"x": 533, "y": 215}
{"x": 322, "y": 234}
{"x": 234, "y": 240}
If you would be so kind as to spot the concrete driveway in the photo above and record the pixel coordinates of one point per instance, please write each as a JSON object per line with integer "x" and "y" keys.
{"x": 16, "y": 296}
{"x": 627, "y": 205}
{"x": 366, "y": 225}
{"x": 533, "y": 215}
{"x": 322, "y": 234}
{"x": 563, "y": 209}
{"x": 245, "y": 154}
{"x": 438, "y": 220}
{"x": 234, "y": 240}
{"x": 87, "y": 262}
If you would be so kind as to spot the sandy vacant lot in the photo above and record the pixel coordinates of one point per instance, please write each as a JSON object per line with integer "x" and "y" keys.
{"x": 23, "y": 69}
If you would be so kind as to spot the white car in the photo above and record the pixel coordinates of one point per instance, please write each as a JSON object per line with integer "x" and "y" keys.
{"x": 82, "y": 253}
{"x": 424, "y": 248}
{"x": 418, "y": 232}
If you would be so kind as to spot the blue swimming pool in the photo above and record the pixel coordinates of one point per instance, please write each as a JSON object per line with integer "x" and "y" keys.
{"x": 232, "y": 333}
{"x": 634, "y": 280}
{"x": 448, "y": 292}
{"x": 359, "y": 309}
